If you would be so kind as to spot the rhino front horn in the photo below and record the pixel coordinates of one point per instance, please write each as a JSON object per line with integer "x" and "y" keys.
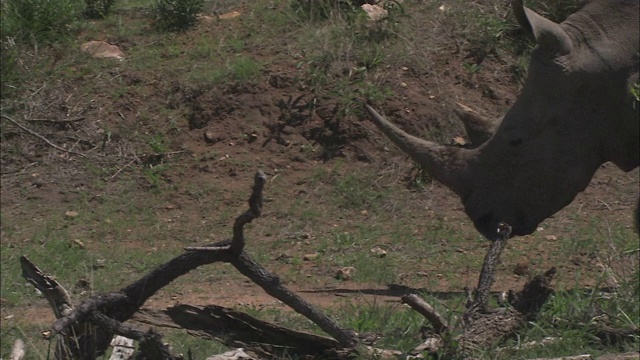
{"x": 447, "y": 164}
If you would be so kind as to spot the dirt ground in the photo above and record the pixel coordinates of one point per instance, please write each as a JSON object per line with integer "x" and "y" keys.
{"x": 225, "y": 134}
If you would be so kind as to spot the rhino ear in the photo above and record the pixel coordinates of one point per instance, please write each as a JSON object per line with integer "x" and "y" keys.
{"x": 549, "y": 35}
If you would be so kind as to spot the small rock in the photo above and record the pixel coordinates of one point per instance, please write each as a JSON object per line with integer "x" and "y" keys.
{"x": 403, "y": 84}
{"x": 345, "y": 273}
{"x": 459, "y": 140}
{"x": 101, "y": 49}
{"x": 70, "y": 214}
{"x": 100, "y": 263}
{"x": 229, "y": 15}
{"x": 404, "y": 68}
{"x": 378, "y": 252}
{"x": 375, "y": 12}
{"x": 211, "y": 138}
{"x": 78, "y": 243}
{"x": 310, "y": 257}
{"x": 551, "y": 237}
{"x": 522, "y": 268}
{"x": 364, "y": 212}
{"x": 83, "y": 284}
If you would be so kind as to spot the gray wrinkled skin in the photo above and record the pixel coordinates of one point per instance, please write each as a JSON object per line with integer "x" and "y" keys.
{"x": 574, "y": 114}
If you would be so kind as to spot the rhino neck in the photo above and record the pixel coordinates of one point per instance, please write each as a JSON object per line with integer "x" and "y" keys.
{"x": 447, "y": 164}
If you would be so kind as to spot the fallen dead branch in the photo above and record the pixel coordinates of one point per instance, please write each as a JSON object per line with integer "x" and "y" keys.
{"x": 14, "y": 122}
{"x": 101, "y": 315}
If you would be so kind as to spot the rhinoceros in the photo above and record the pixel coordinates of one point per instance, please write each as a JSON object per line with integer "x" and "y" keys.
{"x": 575, "y": 113}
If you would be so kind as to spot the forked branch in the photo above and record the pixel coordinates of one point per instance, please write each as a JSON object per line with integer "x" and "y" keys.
{"x": 109, "y": 310}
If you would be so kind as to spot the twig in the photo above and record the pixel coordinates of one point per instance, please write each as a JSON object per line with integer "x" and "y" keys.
{"x": 56, "y": 295}
{"x": 426, "y": 310}
{"x": 138, "y": 158}
{"x": 124, "y": 167}
{"x": 41, "y": 137}
{"x": 481, "y": 295}
{"x": 56, "y": 121}
{"x": 255, "y": 208}
{"x": 272, "y": 285}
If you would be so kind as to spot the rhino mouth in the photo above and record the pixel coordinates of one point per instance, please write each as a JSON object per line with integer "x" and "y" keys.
{"x": 488, "y": 225}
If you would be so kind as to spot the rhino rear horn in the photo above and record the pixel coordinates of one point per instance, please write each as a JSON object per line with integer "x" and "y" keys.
{"x": 549, "y": 35}
{"x": 479, "y": 128}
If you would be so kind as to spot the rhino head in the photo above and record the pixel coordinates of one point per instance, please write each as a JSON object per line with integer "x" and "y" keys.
{"x": 575, "y": 113}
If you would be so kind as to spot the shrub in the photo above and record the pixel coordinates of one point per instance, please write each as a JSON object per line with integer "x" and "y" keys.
{"x": 97, "y": 9}
{"x": 38, "y": 20}
{"x": 174, "y": 15}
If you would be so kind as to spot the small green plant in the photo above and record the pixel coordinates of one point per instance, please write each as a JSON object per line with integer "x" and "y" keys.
{"x": 175, "y": 15}
{"x": 244, "y": 69}
{"x": 158, "y": 144}
{"x": 472, "y": 68}
{"x": 635, "y": 92}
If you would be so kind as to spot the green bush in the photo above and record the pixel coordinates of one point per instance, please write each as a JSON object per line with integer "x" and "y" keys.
{"x": 38, "y": 20}
{"x": 556, "y": 10}
{"x": 97, "y": 9}
{"x": 317, "y": 10}
{"x": 175, "y": 15}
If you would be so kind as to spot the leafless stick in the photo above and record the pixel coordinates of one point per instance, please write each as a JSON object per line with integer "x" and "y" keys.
{"x": 56, "y": 295}
{"x": 55, "y": 121}
{"x": 273, "y": 286}
{"x": 485, "y": 281}
{"x": 426, "y": 310}
{"x": 255, "y": 208}
{"x": 124, "y": 167}
{"x": 41, "y": 137}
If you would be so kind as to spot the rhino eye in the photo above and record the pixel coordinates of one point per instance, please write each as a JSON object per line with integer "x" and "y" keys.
{"x": 515, "y": 142}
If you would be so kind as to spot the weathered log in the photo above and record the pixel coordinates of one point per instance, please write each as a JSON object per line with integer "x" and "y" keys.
{"x": 237, "y": 329}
